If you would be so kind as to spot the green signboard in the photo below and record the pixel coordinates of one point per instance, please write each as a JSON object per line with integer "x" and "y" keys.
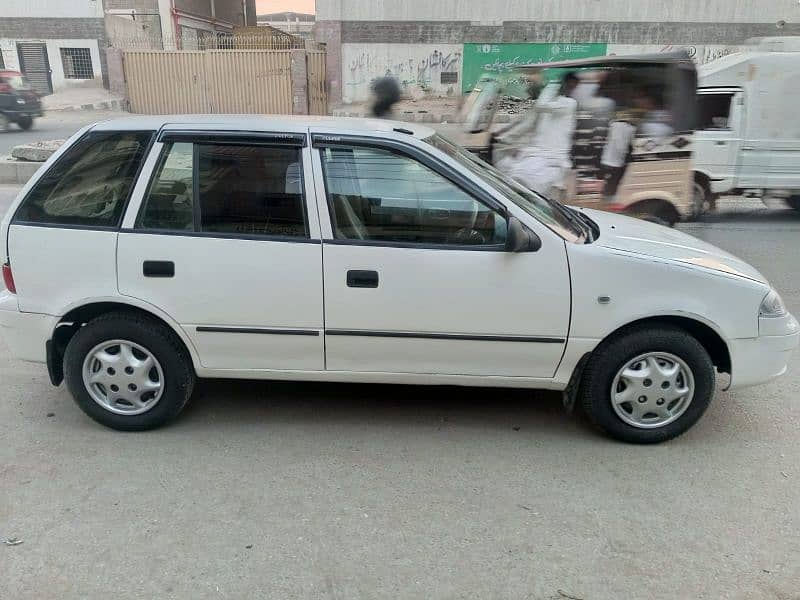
{"x": 501, "y": 58}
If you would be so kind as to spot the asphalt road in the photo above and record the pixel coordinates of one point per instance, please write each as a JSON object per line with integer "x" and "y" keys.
{"x": 56, "y": 125}
{"x": 281, "y": 490}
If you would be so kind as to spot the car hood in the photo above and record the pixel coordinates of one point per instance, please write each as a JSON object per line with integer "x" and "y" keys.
{"x": 619, "y": 232}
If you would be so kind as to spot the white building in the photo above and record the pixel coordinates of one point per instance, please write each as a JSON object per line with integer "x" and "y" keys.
{"x": 57, "y": 43}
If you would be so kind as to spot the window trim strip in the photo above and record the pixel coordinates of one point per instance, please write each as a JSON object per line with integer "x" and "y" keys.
{"x": 200, "y": 136}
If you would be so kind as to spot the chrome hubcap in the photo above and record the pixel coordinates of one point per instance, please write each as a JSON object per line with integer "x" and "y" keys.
{"x": 123, "y": 377}
{"x": 652, "y": 390}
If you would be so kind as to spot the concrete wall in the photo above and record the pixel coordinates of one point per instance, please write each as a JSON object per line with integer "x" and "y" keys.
{"x": 496, "y": 11}
{"x": 364, "y": 37}
{"x": 417, "y": 67}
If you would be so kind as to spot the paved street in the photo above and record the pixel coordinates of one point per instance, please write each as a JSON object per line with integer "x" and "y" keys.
{"x": 281, "y": 490}
{"x": 53, "y": 126}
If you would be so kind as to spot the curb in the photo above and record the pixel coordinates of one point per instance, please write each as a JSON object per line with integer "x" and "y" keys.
{"x": 17, "y": 171}
{"x": 104, "y": 105}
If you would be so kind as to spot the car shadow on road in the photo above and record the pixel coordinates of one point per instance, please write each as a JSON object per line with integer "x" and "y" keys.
{"x": 762, "y": 215}
{"x": 270, "y": 402}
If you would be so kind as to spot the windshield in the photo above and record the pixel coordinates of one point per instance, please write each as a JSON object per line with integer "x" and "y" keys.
{"x": 552, "y": 214}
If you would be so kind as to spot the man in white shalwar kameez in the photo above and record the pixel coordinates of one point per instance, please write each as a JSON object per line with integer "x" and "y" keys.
{"x": 542, "y": 160}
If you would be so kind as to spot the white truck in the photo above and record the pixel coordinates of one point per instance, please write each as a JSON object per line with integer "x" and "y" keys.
{"x": 748, "y": 136}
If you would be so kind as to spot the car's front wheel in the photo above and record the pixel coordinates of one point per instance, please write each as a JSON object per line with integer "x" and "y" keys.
{"x": 128, "y": 372}
{"x": 648, "y": 385}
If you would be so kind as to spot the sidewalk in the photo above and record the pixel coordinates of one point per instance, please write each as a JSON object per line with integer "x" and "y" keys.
{"x": 88, "y": 98}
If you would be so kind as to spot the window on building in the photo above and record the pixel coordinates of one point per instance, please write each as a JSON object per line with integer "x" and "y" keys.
{"x": 90, "y": 183}
{"x": 714, "y": 110}
{"x": 238, "y": 189}
{"x": 380, "y": 195}
{"x": 2, "y": 62}
{"x": 77, "y": 63}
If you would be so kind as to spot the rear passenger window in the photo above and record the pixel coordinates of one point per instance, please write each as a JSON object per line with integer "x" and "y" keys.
{"x": 229, "y": 189}
{"x": 91, "y": 182}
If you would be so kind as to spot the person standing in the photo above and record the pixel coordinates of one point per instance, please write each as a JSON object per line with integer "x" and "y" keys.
{"x": 616, "y": 153}
{"x": 542, "y": 163}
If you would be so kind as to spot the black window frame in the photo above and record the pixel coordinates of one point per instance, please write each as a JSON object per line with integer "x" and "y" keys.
{"x": 321, "y": 141}
{"x": 68, "y": 51}
{"x": 126, "y": 202}
{"x": 228, "y": 138}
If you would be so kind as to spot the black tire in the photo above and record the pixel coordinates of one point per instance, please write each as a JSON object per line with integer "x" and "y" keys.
{"x": 25, "y": 122}
{"x": 702, "y": 198}
{"x": 794, "y": 202}
{"x": 166, "y": 347}
{"x": 656, "y": 220}
{"x": 613, "y": 354}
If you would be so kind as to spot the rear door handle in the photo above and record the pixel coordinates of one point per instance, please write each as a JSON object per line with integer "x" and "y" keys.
{"x": 158, "y": 268}
{"x": 362, "y": 279}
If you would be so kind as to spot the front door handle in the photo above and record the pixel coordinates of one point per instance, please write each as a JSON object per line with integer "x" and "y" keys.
{"x": 362, "y": 279}
{"x": 158, "y": 268}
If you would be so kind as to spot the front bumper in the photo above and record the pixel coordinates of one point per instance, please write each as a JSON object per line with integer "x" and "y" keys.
{"x": 25, "y": 333}
{"x": 762, "y": 359}
{"x": 24, "y": 112}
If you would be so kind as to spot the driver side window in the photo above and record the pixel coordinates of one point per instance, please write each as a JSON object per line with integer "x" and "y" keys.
{"x": 376, "y": 194}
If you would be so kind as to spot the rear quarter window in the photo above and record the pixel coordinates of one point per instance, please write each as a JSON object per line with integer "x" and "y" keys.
{"x": 90, "y": 183}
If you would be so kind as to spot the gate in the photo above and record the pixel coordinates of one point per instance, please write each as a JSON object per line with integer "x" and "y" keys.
{"x": 317, "y": 93}
{"x": 220, "y": 81}
{"x": 34, "y": 64}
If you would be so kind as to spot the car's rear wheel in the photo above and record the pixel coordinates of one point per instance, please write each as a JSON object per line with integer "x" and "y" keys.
{"x": 648, "y": 385}
{"x": 794, "y": 201}
{"x": 128, "y": 372}
{"x": 25, "y": 122}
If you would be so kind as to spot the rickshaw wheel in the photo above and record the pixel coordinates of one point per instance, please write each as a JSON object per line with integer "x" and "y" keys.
{"x": 655, "y": 211}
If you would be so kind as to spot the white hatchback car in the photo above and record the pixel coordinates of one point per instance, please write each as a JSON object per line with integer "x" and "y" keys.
{"x": 150, "y": 251}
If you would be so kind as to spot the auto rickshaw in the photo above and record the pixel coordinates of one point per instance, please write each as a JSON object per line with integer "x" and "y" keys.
{"x": 639, "y": 109}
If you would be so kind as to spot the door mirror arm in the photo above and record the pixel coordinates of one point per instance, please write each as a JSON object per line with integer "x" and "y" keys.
{"x": 521, "y": 239}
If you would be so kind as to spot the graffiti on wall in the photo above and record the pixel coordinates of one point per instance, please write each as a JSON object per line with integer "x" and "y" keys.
{"x": 701, "y": 54}
{"x": 431, "y": 69}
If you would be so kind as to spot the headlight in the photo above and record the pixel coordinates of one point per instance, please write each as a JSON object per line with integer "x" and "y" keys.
{"x": 772, "y": 306}
{"x": 20, "y": 101}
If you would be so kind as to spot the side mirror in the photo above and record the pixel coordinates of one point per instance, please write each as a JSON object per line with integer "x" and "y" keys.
{"x": 521, "y": 239}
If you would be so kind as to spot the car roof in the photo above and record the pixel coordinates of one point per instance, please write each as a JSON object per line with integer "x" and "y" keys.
{"x": 9, "y": 72}
{"x": 271, "y": 123}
